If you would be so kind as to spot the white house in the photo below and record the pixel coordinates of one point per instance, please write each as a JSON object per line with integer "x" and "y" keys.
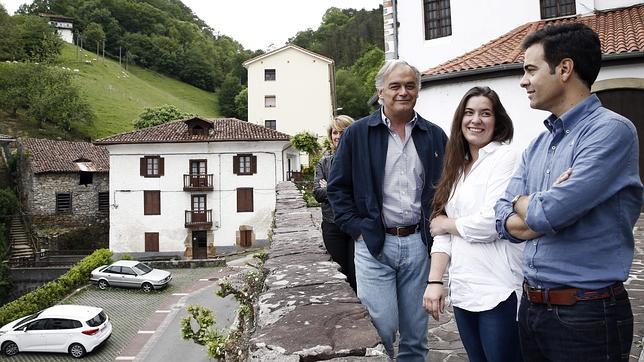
{"x": 459, "y": 44}
{"x": 292, "y": 90}
{"x": 194, "y": 187}
{"x": 64, "y": 26}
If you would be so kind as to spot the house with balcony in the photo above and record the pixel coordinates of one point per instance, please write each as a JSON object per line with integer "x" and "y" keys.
{"x": 291, "y": 90}
{"x": 194, "y": 187}
{"x": 458, "y": 44}
{"x": 64, "y": 26}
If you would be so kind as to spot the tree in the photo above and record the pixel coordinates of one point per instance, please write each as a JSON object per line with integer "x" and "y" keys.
{"x": 306, "y": 142}
{"x": 10, "y": 48}
{"x": 351, "y": 94}
{"x": 154, "y": 116}
{"x": 226, "y": 96}
{"x": 8, "y": 206}
{"x": 39, "y": 40}
{"x": 241, "y": 104}
{"x": 94, "y": 35}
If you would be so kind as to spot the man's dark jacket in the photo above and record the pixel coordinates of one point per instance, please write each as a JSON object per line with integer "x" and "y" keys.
{"x": 355, "y": 185}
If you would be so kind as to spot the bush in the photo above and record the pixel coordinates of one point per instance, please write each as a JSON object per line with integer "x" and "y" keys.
{"x": 53, "y": 292}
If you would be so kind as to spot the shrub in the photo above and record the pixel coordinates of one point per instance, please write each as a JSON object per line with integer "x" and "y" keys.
{"x": 53, "y": 292}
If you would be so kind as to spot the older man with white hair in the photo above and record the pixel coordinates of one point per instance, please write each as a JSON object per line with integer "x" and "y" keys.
{"x": 381, "y": 187}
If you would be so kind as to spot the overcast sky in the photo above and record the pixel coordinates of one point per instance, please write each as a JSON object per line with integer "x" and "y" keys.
{"x": 257, "y": 24}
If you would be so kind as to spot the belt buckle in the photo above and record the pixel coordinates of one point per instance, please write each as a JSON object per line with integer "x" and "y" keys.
{"x": 398, "y": 229}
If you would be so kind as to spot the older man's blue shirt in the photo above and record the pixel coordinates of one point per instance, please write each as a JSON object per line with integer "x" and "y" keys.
{"x": 588, "y": 220}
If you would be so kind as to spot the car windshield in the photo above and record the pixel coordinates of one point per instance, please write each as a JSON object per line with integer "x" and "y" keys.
{"x": 144, "y": 269}
{"x": 97, "y": 320}
{"x": 27, "y": 320}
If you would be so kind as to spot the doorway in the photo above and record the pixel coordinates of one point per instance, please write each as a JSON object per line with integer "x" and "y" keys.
{"x": 199, "y": 244}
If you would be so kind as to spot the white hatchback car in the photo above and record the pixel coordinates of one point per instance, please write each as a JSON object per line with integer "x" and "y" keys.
{"x": 73, "y": 329}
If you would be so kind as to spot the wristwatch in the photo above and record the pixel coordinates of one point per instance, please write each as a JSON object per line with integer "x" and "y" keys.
{"x": 515, "y": 200}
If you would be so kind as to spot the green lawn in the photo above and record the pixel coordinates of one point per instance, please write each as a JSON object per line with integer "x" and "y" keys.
{"x": 118, "y": 96}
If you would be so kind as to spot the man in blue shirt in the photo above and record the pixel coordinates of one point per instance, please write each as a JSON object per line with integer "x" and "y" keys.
{"x": 381, "y": 186}
{"x": 574, "y": 200}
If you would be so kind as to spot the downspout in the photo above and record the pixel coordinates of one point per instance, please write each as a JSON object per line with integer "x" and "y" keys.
{"x": 395, "y": 15}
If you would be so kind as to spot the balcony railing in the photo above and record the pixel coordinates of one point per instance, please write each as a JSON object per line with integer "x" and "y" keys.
{"x": 198, "y": 219}
{"x": 197, "y": 182}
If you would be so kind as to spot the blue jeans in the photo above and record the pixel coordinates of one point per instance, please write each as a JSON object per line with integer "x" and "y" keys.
{"x": 491, "y": 335}
{"x": 593, "y": 330}
{"x": 391, "y": 286}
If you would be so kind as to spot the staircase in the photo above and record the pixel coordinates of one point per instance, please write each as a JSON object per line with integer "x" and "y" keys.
{"x": 20, "y": 247}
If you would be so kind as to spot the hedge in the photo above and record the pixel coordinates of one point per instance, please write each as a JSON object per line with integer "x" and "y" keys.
{"x": 53, "y": 292}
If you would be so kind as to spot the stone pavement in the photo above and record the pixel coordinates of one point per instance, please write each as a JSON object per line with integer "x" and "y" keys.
{"x": 445, "y": 343}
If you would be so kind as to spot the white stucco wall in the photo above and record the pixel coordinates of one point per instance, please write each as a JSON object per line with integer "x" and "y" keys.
{"x": 128, "y": 224}
{"x": 437, "y": 103}
{"x": 302, "y": 88}
{"x": 474, "y": 23}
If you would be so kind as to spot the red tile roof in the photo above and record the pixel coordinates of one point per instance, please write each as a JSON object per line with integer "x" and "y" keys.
{"x": 60, "y": 156}
{"x": 620, "y": 31}
{"x": 223, "y": 129}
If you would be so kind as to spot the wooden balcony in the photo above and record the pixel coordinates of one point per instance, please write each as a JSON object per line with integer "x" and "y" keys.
{"x": 197, "y": 182}
{"x": 199, "y": 220}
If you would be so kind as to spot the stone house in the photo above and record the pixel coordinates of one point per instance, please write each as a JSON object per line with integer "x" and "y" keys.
{"x": 63, "y": 183}
{"x": 64, "y": 26}
{"x": 194, "y": 187}
{"x": 454, "y": 53}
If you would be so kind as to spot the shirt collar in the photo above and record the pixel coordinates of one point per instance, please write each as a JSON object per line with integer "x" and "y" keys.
{"x": 387, "y": 122}
{"x": 573, "y": 116}
{"x": 489, "y": 148}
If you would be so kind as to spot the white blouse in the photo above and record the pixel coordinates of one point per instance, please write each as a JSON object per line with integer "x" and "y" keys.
{"x": 483, "y": 270}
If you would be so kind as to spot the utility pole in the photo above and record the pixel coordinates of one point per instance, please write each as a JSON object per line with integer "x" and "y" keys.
{"x": 120, "y": 56}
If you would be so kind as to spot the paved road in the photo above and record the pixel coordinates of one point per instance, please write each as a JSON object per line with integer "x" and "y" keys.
{"x": 132, "y": 311}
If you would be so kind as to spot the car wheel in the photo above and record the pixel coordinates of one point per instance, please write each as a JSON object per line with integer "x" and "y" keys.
{"x": 10, "y": 348}
{"x": 77, "y": 350}
{"x": 103, "y": 284}
{"x": 147, "y": 287}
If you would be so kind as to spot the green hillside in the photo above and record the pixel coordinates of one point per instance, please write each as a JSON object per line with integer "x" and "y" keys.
{"x": 118, "y": 97}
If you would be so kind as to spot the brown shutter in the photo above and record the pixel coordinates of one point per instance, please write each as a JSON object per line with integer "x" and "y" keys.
{"x": 244, "y": 199}
{"x": 151, "y": 202}
{"x": 152, "y": 242}
{"x": 253, "y": 164}
{"x": 143, "y": 167}
{"x": 236, "y": 165}
{"x": 240, "y": 198}
{"x": 250, "y": 200}
{"x": 161, "y": 166}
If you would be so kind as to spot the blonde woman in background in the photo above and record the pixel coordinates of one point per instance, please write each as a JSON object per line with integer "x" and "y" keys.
{"x": 338, "y": 243}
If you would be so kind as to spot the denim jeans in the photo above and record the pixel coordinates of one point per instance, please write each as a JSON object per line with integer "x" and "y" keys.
{"x": 593, "y": 330}
{"x": 391, "y": 286}
{"x": 490, "y": 335}
{"x": 340, "y": 245}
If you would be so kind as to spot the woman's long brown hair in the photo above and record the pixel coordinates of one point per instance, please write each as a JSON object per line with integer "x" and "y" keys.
{"x": 457, "y": 152}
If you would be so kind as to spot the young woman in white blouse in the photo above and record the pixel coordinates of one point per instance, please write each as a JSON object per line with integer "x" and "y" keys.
{"x": 484, "y": 272}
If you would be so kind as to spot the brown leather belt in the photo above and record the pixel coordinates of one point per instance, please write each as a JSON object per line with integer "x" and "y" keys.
{"x": 402, "y": 230}
{"x": 569, "y": 296}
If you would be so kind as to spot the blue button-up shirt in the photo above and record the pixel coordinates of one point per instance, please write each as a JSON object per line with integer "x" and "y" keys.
{"x": 587, "y": 221}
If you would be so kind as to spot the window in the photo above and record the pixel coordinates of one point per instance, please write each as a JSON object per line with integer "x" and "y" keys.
{"x": 103, "y": 201}
{"x": 151, "y": 202}
{"x": 244, "y": 164}
{"x": 557, "y": 8}
{"x": 63, "y": 202}
{"x": 269, "y": 74}
{"x": 38, "y": 325}
{"x": 151, "y": 241}
{"x": 438, "y": 20}
{"x": 152, "y": 166}
{"x": 270, "y": 123}
{"x": 59, "y": 323}
{"x": 270, "y": 102}
{"x": 245, "y": 199}
{"x": 86, "y": 178}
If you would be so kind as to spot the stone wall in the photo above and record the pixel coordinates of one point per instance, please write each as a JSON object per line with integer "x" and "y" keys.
{"x": 308, "y": 312}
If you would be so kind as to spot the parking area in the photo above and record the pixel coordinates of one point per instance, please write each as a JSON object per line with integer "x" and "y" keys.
{"x": 132, "y": 311}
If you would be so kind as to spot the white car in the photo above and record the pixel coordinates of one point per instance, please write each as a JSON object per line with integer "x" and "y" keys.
{"x": 73, "y": 329}
{"x": 130, "y": 274}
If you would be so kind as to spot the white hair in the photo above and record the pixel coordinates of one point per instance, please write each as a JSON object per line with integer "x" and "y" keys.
{"x": 387, "y": 68}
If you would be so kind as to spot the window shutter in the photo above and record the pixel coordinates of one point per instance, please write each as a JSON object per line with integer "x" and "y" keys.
{"x": 161, "y": 166}
{"x": 250, "y": 199}
{"x": 236, "y": 165}
{"x": 253, "y": 164}
{"x": 240, "y": 200}
{"x": 143, "y": 166}
{"x": 151, "y": 202}
{"x": 151, "y": 241}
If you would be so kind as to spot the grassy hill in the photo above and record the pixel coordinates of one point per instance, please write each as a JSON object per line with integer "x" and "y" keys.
{"x": 118, "y": 96}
